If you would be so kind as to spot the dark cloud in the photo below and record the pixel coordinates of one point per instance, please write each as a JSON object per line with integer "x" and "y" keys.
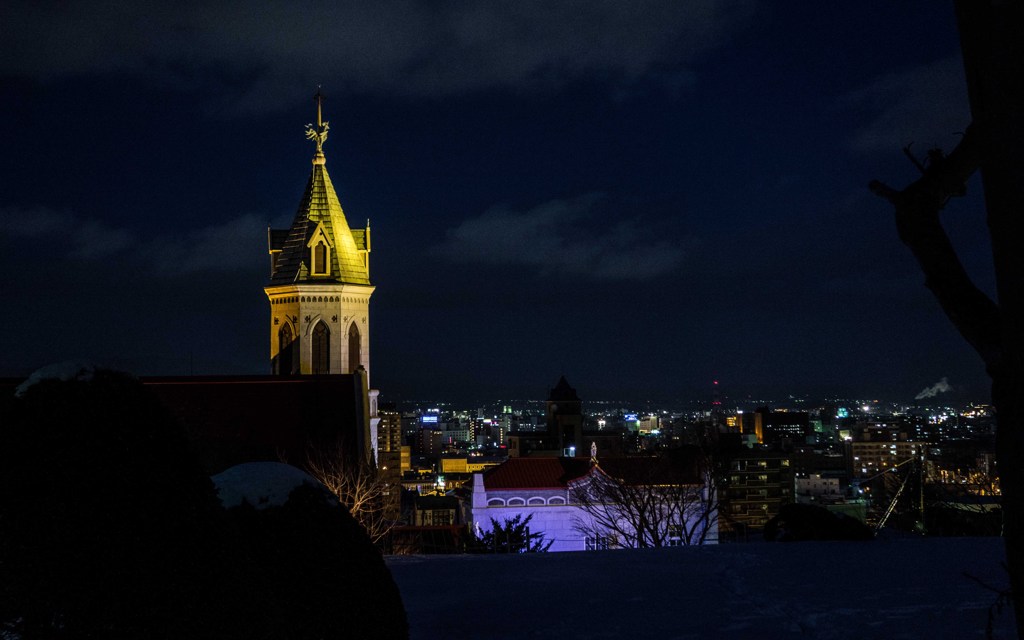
{"x": 926, "y": 105}
{"x": 84, "y": 238}
{"x": 225, "y": 247}
{"x": 555, "y": 236}
{"x": 277, "y": 49}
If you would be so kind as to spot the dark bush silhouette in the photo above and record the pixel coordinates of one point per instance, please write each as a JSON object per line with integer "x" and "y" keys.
{"x": 797, "y": 522}
{"x": 326, "y": 578}
{"x": 109, "y": 528}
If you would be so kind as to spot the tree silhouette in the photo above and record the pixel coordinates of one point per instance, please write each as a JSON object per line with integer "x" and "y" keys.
{"x": 358, "y": 485}
{"x": 993, "y": 54}
{"x": 652, "y": 501}
{"x": 513, "y": 535}
{"x": 109, "y": 527}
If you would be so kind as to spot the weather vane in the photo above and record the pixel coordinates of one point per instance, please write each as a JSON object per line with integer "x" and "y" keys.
{"x": 318, "y": 133}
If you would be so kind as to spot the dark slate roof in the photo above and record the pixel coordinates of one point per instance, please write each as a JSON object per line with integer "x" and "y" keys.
{"x": 276, "y": 238}
{"x": 563, "y": 392}
{"x": 320, "y": 205}
{"x": 535, "y": 473}
{"x": 236, "y": 419}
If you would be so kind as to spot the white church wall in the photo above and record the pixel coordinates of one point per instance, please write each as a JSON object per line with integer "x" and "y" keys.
{"x": 556, "y": 522}
{"x": 554, "y": 514}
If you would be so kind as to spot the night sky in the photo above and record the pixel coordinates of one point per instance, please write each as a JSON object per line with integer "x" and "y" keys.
{"x": 643, "y": 196}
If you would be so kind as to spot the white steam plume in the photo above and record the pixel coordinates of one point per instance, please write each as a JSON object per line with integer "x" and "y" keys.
{"x": 941, "y": 386}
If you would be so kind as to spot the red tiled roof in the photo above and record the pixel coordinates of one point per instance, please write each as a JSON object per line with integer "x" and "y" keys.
{"x": 678, "y": 466}
{"x": 535, "y": 473}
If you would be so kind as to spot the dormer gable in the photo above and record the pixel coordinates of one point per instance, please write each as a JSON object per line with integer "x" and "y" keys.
{"x": 320, "y": 247}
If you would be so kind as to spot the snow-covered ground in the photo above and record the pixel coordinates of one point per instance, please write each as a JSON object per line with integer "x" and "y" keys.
{"x": 886, "y": 589}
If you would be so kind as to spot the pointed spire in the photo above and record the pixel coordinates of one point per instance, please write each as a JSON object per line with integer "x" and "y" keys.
{"x": 320, "y": 212}
{"x": 319, "y": 133}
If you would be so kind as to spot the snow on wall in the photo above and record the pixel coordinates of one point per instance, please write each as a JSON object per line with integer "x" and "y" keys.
{"x": 553, "y": 511}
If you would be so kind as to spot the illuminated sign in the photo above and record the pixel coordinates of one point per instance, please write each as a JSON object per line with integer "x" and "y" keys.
{"x": 429, "y": 419}
{"x": 630, "y": 417}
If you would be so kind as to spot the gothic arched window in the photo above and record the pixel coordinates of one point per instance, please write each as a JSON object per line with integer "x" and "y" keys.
{"x": 284, "y": 350}
{"x": 320, "y": 258}
{"x": 321, "y": 361}
{"x": 354, "y": 356}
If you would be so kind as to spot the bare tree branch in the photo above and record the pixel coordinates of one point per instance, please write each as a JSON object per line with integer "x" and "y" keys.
{"x": 661, "y": 506}
{"x": 917, "y": 206}
{"x": 357, "y": 484}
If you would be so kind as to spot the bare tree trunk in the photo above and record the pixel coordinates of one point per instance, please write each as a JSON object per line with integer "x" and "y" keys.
{"x": 992, "y": 40}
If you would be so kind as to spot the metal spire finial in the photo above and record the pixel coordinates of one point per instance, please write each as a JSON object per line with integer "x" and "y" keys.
{"x": 318, "y": 133}
{"x": 319, "y": 99}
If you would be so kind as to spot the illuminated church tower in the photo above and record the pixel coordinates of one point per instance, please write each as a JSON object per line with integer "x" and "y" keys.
{"x": 320, "y": 280}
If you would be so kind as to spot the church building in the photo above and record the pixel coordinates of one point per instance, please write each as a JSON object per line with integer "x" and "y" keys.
{"x": 320, "y": 287}
{"x": 318, "y": 395}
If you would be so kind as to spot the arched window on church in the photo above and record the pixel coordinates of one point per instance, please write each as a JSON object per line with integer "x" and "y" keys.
{"x": 321, "y": 348}
{"x": 284, "y": 350}
{"x": 320, "y": 258}
{"x": 354, "y": 355}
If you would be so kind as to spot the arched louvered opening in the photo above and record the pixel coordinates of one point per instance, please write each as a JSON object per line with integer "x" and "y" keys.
{"x": 321, "y": 360}
{"x": 354, "y": 342}
{"x": 285, "y": 351}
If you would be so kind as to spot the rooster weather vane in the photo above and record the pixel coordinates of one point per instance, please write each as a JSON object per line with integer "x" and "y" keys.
{"x": 319, "y": 132}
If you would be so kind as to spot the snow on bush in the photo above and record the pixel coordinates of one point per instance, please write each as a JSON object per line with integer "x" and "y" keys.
{"x": 262, "y": 484}
{"x": 63, "y": 371}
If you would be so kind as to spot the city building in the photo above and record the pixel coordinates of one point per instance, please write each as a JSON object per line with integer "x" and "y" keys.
{"x": 818, "y": 489}
{"x": 547, "y": 489}
{"x": 564, "y": 434}
{"x": 758, "y": 484}
{"x": 389, "y": 459}
{"x": 783, "y": 426}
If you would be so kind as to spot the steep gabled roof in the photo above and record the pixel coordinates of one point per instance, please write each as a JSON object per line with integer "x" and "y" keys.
{"x": 320, "y": 206}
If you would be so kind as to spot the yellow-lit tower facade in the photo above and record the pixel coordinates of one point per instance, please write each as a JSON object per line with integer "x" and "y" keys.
{"x": 320, "y": 287}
